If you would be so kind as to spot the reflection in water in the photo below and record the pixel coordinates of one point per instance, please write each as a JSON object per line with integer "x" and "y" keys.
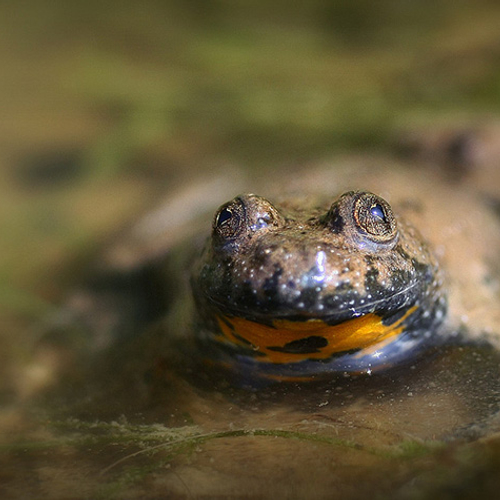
{"x": 143, "y": 429}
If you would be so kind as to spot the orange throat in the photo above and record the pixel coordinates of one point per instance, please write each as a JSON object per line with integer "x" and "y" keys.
{"x": 292, "y": 341}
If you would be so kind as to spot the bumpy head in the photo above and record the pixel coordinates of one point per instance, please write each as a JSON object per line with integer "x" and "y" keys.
{"x": 294, "y": 291}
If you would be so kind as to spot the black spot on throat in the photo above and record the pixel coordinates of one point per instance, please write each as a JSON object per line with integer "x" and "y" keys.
{"x": 306, "y": 345}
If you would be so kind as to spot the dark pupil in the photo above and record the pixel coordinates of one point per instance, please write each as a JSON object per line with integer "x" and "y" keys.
{"x": 224, "y": 215}
{"x": 378, "y": 212}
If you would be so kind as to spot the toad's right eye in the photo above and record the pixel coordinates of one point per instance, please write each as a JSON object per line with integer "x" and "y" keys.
{"x": 223, "y": 217}
{"x": 242, "y": 218}
{"x": 228, "y": 219}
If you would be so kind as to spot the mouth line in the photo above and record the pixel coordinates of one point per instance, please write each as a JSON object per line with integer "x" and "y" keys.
{"x": 396, "y": 294}
{"x": 314, "y": 313}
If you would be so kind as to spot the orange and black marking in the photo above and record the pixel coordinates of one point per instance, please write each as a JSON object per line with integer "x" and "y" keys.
{"x": 294, "y": 341}
{"x": 295, "y": 291}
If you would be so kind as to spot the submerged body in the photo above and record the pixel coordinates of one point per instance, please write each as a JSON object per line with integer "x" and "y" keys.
{"x": 321, "y": 279}
{"x": 175, "y": 290}
{"x": 286, "y": 292}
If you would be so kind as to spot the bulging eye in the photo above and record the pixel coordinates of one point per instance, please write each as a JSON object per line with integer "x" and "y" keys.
{"x": 364, "y": 220}
{"x": 228, "y": 219}
{"x": 243, "y": 217}
{"x": 224, "y": 217}
{"x": 374, "y": 217}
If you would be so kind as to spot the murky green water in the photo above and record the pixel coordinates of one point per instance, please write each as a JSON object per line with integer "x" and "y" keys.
{"x": 122, "y": 432}
{"x": 107, "y": 108}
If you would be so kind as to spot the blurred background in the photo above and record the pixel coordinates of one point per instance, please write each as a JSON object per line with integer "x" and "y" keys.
{"x": 105, "y": 107}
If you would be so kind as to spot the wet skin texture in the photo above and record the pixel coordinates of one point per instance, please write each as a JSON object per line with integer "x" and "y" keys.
{"x": 294, "y": 292}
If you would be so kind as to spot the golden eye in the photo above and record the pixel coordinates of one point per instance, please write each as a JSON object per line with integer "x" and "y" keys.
{"x": 228, "y": 219}
{"x": 374, "y": 217}
{"x": 242, "y": 218}
{"x": 223, "y": 217}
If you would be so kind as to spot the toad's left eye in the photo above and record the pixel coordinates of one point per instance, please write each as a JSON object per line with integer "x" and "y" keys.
{"x": 378, "y": 212}
{"x": 374, "y": 218}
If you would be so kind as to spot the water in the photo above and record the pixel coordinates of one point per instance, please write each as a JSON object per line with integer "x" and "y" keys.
{"x": 136, "y": 429}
